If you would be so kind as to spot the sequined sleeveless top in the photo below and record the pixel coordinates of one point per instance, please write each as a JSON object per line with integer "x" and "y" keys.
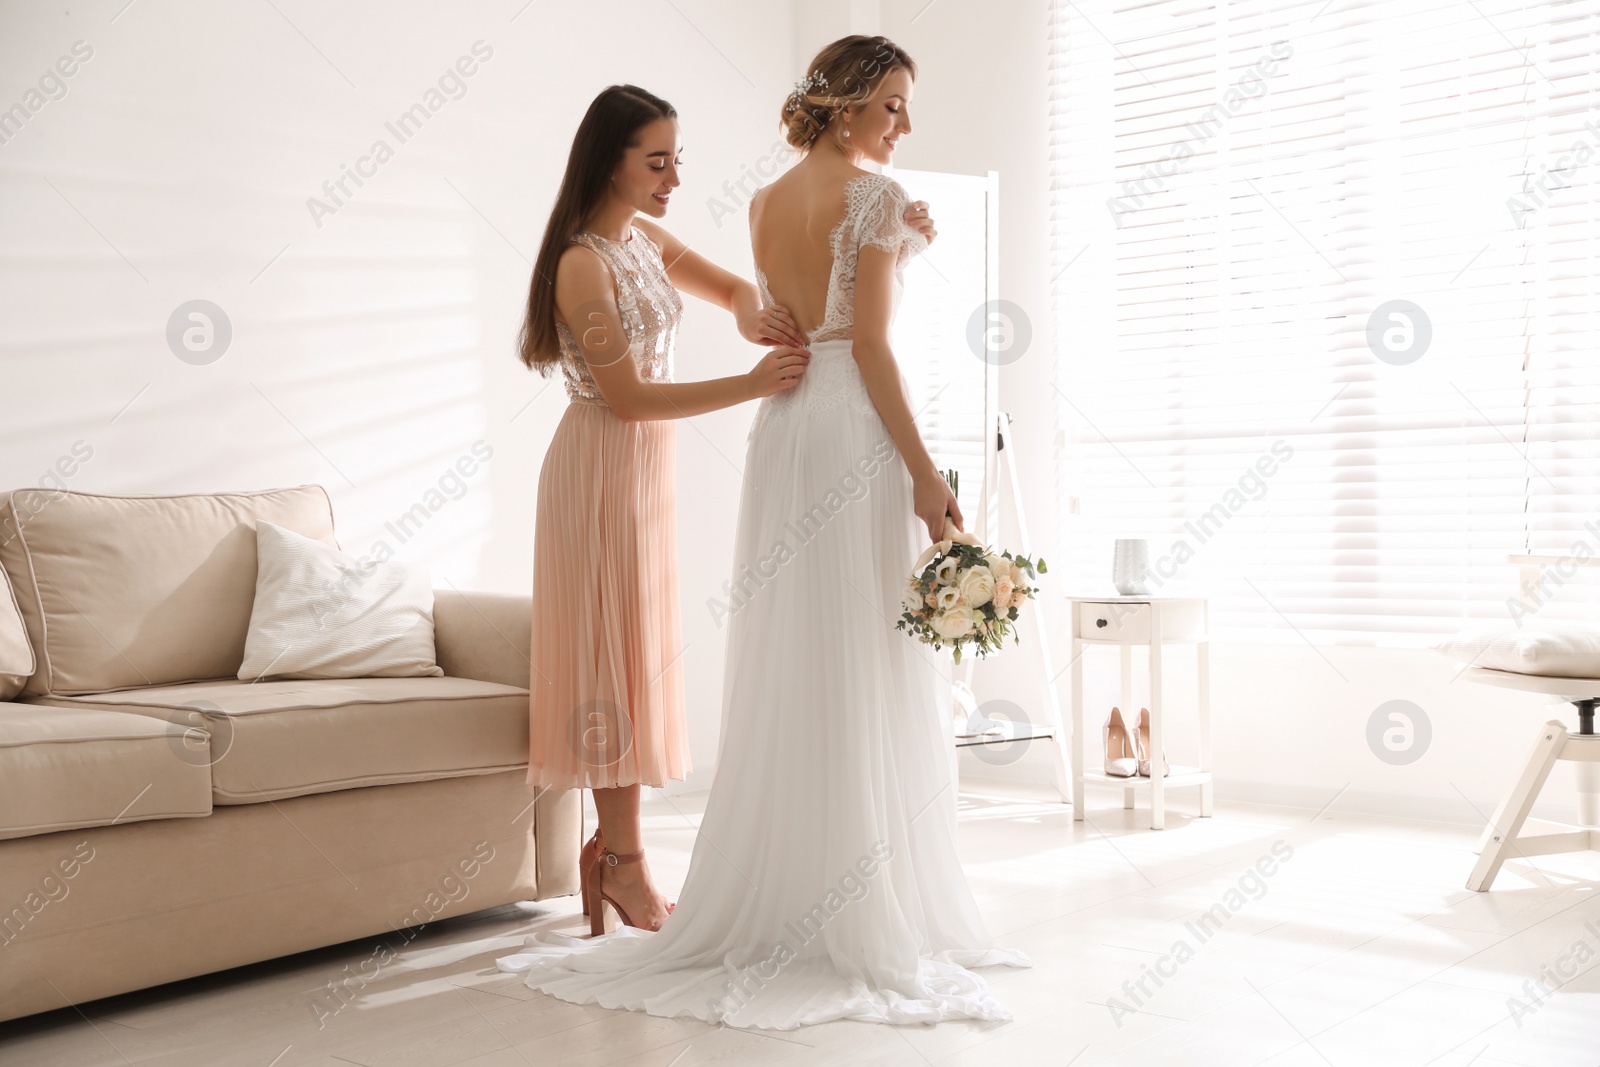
{"x": 650, "y": 307}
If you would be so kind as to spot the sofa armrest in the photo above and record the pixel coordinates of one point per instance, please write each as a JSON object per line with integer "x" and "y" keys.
{"x": 486, "y": 636}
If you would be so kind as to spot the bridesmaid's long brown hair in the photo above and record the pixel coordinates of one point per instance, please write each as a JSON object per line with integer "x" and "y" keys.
{"x": 609, "y": 127}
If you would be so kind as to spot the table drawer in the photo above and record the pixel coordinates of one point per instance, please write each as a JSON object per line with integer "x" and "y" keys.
{"x": 1121, "y": 623}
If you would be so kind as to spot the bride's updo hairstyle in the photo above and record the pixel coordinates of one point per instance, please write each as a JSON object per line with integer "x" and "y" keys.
{"x": 842, "y": 75}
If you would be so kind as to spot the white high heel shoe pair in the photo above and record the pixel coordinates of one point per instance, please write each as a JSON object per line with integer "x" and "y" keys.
{"x": 1128, "y": 750}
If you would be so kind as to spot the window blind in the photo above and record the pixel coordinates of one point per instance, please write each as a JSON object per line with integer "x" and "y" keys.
{"x": 1326, "y": 304}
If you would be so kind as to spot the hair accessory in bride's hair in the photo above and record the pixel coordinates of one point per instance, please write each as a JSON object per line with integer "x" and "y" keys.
{"x": 804, "y": 87}
{"x": 814, "y": 80}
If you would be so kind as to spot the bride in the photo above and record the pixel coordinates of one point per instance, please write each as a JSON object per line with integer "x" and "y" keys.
{"x": 825, "y": 881}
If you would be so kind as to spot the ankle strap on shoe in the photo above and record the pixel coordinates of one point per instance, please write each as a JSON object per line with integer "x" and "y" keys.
{"x": 617, "y": 859}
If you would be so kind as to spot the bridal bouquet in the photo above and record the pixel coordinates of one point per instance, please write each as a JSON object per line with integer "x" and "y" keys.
{"x": 962, "y": 593}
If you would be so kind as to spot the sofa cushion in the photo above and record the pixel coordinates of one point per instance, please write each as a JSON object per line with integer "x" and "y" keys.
{"x": 67, "y": 768}
{"x": 321, "y": 613}
{"x": 276, "y": 739}
{"x": 125, "y": 591}
{"x": 16, "y": 655}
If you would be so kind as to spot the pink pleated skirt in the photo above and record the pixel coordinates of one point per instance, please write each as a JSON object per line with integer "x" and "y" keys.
{"x": 606, "y": 689}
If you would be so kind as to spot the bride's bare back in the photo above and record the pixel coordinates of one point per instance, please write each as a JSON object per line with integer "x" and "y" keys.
{"x": 791, "y": 223}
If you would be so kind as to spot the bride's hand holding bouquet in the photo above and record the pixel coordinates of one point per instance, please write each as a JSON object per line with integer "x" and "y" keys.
{"x": 963, "y": 593}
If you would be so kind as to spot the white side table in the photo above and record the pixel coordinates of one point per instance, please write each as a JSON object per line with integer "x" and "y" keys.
{"x": 1152, "y": 621}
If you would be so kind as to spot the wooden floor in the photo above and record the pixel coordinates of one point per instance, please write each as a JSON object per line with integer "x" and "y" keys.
{"x": 1361, "y": 948}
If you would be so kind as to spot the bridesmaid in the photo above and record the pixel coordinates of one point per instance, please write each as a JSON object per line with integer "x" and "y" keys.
{"x": 606, "y": 705}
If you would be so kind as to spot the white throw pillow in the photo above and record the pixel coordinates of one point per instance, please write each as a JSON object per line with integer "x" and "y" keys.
{"x": 320, "y": 613}
{"x": 1545, "y": 649}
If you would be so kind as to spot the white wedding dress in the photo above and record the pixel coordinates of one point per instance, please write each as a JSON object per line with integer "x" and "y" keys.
{"x": 825, "y": 881}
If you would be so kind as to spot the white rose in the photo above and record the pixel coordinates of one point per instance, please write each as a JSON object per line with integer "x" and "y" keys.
{"x": 953, "y": 624}
{"x": 948, "y": 597}
{"x": 1018, "y": 576}
{"x": 977, "y": 586}
{"x": 913, "y": 597}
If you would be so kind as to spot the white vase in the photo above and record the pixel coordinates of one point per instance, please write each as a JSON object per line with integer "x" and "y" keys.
{"x": 1130, "y": 567}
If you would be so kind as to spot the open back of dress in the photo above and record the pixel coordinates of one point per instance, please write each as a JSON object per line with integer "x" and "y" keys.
{"x": 874, "y": 214}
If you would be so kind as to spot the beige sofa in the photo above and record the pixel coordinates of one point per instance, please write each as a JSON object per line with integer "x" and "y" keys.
{"x": 161, "y": 819}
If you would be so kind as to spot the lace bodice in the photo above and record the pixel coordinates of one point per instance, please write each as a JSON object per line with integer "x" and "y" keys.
{"x": 651, "y": 309}
{"x": 874, "y": 214}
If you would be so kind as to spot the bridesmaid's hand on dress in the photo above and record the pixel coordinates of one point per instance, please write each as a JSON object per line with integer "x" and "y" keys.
{"x": 918, "y": 219}
{"x": 771, "y": 326}
{"x": 778, "y": 370}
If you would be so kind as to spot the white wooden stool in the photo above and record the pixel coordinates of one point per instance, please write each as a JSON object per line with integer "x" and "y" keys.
{"x": 1502, "y": 838}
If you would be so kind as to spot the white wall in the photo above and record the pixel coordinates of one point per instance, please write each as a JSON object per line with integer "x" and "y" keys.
{"x": 370, "y": 352}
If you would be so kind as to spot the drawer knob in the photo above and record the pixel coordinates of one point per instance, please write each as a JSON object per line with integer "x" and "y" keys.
{"x": 1100, "y": 623}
